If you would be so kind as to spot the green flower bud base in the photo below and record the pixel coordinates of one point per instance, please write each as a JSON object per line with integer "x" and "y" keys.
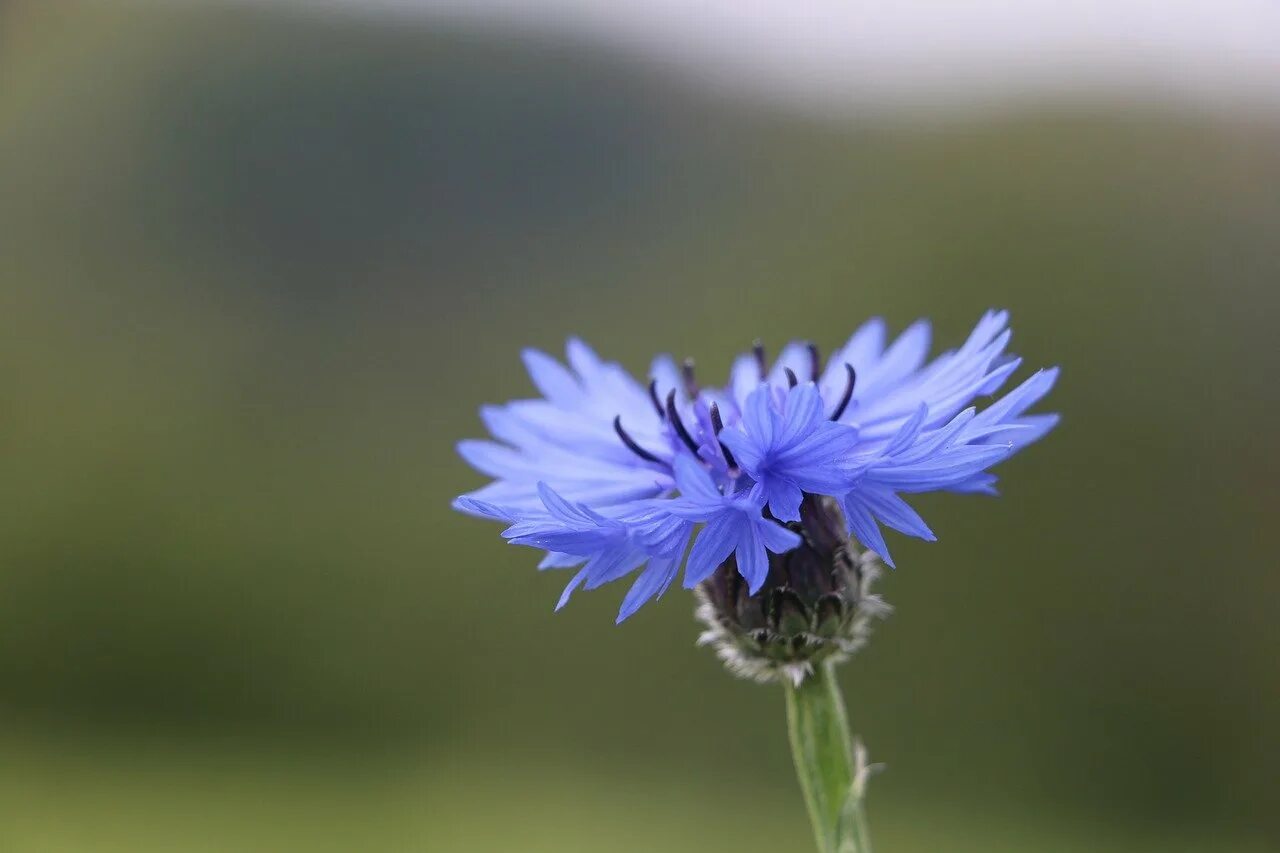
{"x": 814, "y": 608}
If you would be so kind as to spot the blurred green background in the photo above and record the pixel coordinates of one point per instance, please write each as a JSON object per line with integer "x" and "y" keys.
{"x": 257, "y": 272}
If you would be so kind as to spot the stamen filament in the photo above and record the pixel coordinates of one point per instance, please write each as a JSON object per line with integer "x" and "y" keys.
{"x": 631, "y": 442}
{"x": 815, "y": 362}
{"x": 674, "y": 417}
{"x": 653, "y": 396}
{"x": 717, "y": 424}
{"x": 848, "y": 392}
{"x": 757, "y": 349}
{"x": 690, "y": 379}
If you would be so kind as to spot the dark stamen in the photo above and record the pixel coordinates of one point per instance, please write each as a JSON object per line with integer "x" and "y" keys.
{"x": 791, "y": 377}
{"x": 815, "y": 362}
{"x": 653, "y": 395}
{"x": 848, "y": 393}
{"x": 690, "y": 380}
{"x": 717, "y": 424}
{"x": 674, "y": 417}
{"x": 757, "y": 349}
{"x": 631, "y": 442}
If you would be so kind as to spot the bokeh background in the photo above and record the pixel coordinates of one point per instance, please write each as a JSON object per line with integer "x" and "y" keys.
{"x": 260, "y": 265}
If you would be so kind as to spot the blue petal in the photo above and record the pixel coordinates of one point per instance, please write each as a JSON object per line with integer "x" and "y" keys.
{"x": 893, "y": 511}
{"x": 978, "y": 484}
{"x": 863, "y": 526}
{"x": 905, "y": 354}
{"x": 551, "y": 378}
{"x": 496, "y": 460}
{"x": 555, "y": 560}
{"x": 568, "y": 590}
{"x": 713, "y": 546}
{"x": 795, "y": 357}
{"x": 695, "y": 483}
{"x": 753, "y": 561}
{"x": 563, "y": 510}
{"x": 653, "y": 581}
{"x": 777, "y": 538}
{"x": 941, "y": 470}
{"x": 482, "y": 509}
{"x": 745, "y": 449}
{"x": 824, "y": 463}
{"x": 801, "y": 415}
{"x": 744, "y": 377}
{"x": 609, "y": 565}
{"x": 757, "y": 416}
{"x": 908, "y": 431}
{"x": 666, "y": 374}
{"x": 784, "y": 498}
{"x": 665, "y": 535}
{"x": 861, "y": 350}
{"x": 1036, "y": 428}
{"x": 583, "y": 358}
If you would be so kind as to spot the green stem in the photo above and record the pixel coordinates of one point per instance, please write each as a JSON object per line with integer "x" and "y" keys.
{"x": 829, "y": 772}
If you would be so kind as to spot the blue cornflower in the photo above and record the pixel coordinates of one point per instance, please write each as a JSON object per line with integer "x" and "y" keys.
{"x": 611, "y": 476}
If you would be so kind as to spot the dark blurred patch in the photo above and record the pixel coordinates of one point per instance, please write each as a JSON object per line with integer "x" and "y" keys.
{"x": 364, "y": 145}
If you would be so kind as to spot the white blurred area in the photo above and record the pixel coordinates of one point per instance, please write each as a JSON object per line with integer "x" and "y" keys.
{"x": 845, "y": 56}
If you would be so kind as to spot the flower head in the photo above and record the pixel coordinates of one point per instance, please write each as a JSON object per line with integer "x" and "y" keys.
{"x": 614, "y": 477}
